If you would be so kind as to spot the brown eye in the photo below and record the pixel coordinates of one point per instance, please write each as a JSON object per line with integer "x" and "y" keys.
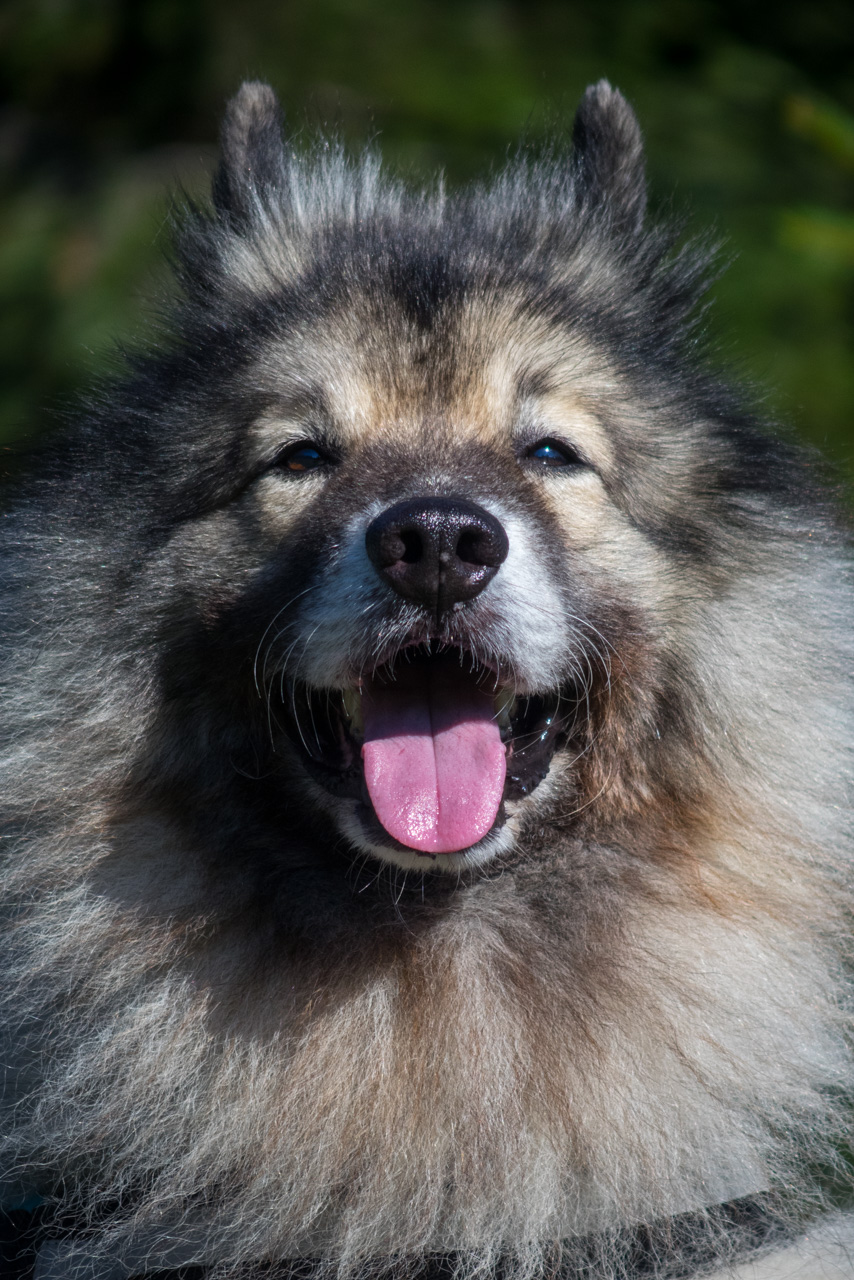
{"x": 300, "y": 457}
{"x": 554, "y": 453}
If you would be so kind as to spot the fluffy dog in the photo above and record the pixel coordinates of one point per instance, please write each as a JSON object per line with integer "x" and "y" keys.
{"x": 428, "y": 728}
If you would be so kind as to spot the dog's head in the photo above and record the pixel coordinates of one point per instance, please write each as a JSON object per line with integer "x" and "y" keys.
{"x": 448, "y": 487}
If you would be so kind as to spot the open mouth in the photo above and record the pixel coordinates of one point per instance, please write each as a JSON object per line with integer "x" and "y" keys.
{"x": 431, "y": 745}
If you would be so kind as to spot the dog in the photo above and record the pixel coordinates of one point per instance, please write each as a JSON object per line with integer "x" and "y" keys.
{"x": 429, "y": 728}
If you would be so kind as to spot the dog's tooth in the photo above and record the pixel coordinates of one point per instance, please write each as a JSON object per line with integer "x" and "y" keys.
{"x": 352, "y": 700}
{"x": 505, "y": 707}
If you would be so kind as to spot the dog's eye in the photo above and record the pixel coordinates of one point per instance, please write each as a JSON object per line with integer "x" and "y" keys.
{"x": 301, "y": 456}
{"x": 554, "y": 453}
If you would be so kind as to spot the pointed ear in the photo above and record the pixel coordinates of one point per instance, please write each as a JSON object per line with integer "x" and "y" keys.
{"x": 252, "y": 151}
{"x": 608, "y": 157}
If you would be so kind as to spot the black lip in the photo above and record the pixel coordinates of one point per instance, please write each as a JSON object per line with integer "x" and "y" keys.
{"x": 316, "y": 724}
{"x": 537, "y": 730}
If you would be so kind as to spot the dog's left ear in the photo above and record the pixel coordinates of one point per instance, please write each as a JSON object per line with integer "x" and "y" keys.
{"x": 252, "y": 149}
{"x": 607, "y": 157}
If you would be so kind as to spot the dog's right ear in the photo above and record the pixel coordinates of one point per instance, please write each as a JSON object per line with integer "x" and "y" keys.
{"x": 607, "y": 157}
{"x": 252, "y": 157}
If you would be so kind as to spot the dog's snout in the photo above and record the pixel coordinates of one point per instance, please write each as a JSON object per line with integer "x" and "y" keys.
{"x": 437, "y": 551}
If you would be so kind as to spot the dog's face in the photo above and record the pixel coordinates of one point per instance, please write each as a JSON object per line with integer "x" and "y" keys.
{"x": 432, "y": 565}
{"x": 455, "y": 528}
{"x": 430, "y": 643}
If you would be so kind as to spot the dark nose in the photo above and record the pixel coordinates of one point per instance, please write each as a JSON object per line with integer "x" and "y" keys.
{"x": 437, "y": 551}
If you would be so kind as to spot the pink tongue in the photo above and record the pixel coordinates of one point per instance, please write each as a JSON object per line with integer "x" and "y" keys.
{"x": 434, "y": 759}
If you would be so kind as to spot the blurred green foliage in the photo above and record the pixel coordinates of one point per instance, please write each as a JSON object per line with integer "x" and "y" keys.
{"x": 108, "y": 105}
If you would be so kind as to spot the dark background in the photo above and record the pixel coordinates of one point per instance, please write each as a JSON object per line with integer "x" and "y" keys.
{"x": 748, "y": 109}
